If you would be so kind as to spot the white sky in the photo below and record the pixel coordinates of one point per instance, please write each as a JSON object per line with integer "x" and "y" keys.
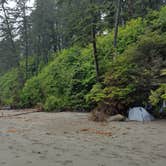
{"x": 30, "y": 3}
{"x": 12, "y": 4}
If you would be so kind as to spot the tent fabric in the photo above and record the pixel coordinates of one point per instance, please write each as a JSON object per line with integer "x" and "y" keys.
{"x": 139, "y": 114}
{"x": 164, "y": 104}
{"x": 163, "y": 107}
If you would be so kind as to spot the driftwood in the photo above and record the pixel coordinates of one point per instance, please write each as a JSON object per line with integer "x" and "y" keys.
{"x": 18, "y": 114}
{"x": 117, "y": 117}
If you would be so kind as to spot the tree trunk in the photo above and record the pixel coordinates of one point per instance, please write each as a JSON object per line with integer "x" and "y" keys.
{"x": 93, "y": 31}
{"x": 26, "y": 41}
{"x": 130, "y": 8}
{"x": 117, "y": 23}
{"x": 95, "y": 52}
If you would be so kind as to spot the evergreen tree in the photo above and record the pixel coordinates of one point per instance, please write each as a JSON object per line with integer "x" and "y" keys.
{"x": 24, "y": 30}
{"x": 43, "y": 23}
{"x": 8, "y": 32}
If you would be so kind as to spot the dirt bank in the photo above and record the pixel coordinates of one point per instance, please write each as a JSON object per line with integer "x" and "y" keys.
{"x": 69, "y": 139}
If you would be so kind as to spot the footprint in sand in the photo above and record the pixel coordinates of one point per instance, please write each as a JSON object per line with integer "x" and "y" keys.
{"x": 76, "y": 155}
{"x": 3, "y": 163}
{"x": 68, "y": 162}
{"x": 65, "y": 163}
{"x": 102, "y": 149}
{"x": 17, "y": 156}
{"x": 29, "y": 162}
{"x": 10, "y": 147}
{"x": 42, "y": 157}
{"x": 58, "y": 155}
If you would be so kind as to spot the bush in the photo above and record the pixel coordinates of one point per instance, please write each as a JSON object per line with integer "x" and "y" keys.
{"x": 9, "y": 88}
{"x": 157, "y": 96}
{"x": 52, "y": 104}
{"x": 68, "y": 78}
{"x": 162, "y": 19}
{"x": 133, "y": 74}
{"x": 96, "y": 94}
{"x": 130, "y": 33}
{"x": 31, "y": 93}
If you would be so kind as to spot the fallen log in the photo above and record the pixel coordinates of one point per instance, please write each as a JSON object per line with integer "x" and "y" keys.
{"x": 18, "y": 114}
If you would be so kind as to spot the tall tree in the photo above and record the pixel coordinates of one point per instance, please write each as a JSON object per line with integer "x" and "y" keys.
{"x": 7, "y": 25}
{"x": 7, "y": 30}
{"x": 118, "y": 8}
{"x": 43, "y": 23}
{"x": 24, "y": 29}
{"x": 94, "y": 14}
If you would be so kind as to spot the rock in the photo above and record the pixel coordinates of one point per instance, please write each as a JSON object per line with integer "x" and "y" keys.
{"x": 117, "y": 117}
{"x": 6, "y": 108}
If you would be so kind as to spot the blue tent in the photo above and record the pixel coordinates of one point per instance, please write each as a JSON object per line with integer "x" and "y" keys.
{"x": 139, "y": 114}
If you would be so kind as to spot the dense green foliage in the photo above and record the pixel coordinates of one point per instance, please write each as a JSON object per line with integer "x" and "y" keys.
{"x": 134, "y": 76}
{"x": 63, "y": 83}
{"x": 39, "y": 29}
{"x": 135, "y": 73}
{"x": 158, "y": 95}
{"x": 131, "y": 74}
{"x": 66, "y": 82}
{"x": 9, "y": 88}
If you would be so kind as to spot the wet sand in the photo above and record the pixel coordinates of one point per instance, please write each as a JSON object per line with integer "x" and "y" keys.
{"x": 70, "y": 139}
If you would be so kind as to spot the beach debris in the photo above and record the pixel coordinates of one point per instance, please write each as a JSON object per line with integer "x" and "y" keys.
{"x": 98, "y": 116}
{"x": 20, "y": 113}
{"x": 98, "y": 132}
{"x": 11, "y": 130}
{"x": 6, "y": 108}
{"x": 117, "y": 117}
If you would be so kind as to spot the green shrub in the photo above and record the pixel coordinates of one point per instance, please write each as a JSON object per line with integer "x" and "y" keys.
{"x": 157, "y": 96}
{"x": 31, "y": 93}
{"x": 52, "y": 103}
{"x": 9, "y": 88}
{"x": 162, "y": 19}
{"x": 133, "y": 74}
{"x": 127, "y": 35}
{"x": 96, "y": 94}
{"x": 68, "y": 78}
{"x": 130, "y": 33}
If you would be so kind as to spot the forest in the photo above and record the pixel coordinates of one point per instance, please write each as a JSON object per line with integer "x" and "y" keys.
{"x": 83, "y": 55}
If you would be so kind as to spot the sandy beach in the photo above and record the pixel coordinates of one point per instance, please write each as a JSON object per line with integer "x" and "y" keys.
{"x": 70, "y": 139}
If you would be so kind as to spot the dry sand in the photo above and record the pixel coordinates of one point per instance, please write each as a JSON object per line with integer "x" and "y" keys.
{"x": 70, "y": 139}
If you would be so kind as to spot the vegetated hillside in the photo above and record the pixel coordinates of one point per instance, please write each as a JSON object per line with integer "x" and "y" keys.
{"x": 132, "y": 74}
